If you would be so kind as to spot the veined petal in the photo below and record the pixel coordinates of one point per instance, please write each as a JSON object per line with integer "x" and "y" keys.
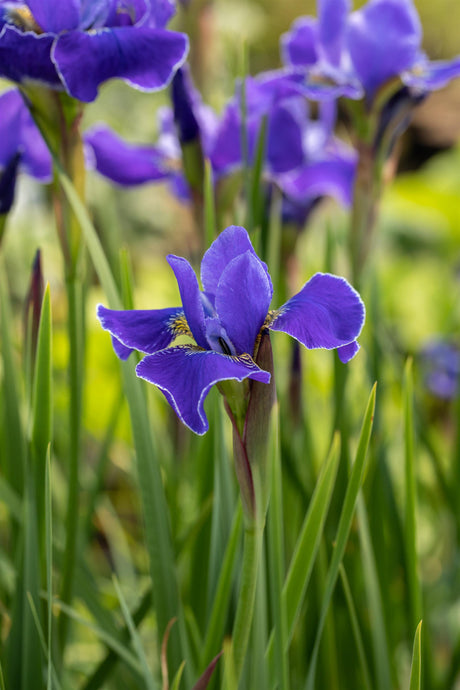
{"x": 147, "y": 330}
{"x": 243, "y": 297}
{"x": 232, "y": 242}
{"x": 347, "y": 352}
{"x": 123, "y": 163}
{"x": 383, "y": 39}
{"x": 299, "y": 46}
{"x": 332, "y": 19}
{"x": 186, "y": 375}
{"x": 146, "y": 58}
{"x": 429, "y": 76}
{"x": 326, "y": 313}
{"x": 55, "y": 17}
{"x": 190, "y": 296}
{"x": 26, "y": 56}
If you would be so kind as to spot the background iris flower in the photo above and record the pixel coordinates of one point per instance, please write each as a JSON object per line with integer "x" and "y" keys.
{"x": 225, "y": 320}
{"x": 356, "y": 53}
{"x": 76, "y": 45}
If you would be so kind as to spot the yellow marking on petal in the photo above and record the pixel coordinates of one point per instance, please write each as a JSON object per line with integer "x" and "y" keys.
{"x": 24, "y": 20}
{"x": 178, "y": 326}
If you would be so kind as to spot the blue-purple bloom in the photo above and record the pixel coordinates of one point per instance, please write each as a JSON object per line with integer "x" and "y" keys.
{"x": 76, "y": 45}
{"x": 355, "y": 53}
{"x": 225, "y": 320}
{"x": 303, "y": 158}
{"x": 21, "y": 147}
{"x": 440, "y": 362}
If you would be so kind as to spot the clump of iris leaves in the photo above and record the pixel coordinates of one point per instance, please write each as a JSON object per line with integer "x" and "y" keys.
{"x": 121, "y": 544}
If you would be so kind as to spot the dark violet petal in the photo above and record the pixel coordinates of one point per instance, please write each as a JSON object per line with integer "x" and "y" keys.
{"x": 8, "y": 178}
{"x": 147, "y": 330}
{"x": 123, "y": 163}
{"x": 225, "y": 153}
{"x": 121, "y": 351}
{"x": 299, "y": 46}
{"x": 429, "y": 76}
{"x": 36, "y": 159}
{"x": 190, "y": 296}
{"x": 95, "y": 13}
{"x": 26, "y": 56}
{"x": 284, "y": 141}
{"x": 184, "y": 99}
{"x": 11, "y": 108}
{"x": 347, "y": 352}
{"x": 334, "y": 177}
{"x": 186, "y": 375}
{"x": 326, "y": 313}
{"x": 54, "y": 17}
{"x": 179, "y": 187}
{"x": 327, "y": 86}
{"x": 161, "y": 12}
{"x": 242, "y": 300}
{"x": 146, "y": 58}
{"x": 332, "y": 18}
{"x": 231, "y": 242}
{"x": 383, "y": 39}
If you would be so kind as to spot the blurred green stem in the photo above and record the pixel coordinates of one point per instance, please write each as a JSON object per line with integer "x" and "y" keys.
{"x": 245, "y": 609}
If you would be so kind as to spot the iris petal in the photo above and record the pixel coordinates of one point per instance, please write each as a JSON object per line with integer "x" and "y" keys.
{"x": 384, "y": 40}
{"x": 299, "y": 46}
{"x": 429, "y": 76}
{"x": 332, "y": 21}
{"x": 123, "y": 163}
{"x": 146, "y": 58}
{"x": 147, "y": 330}
{"x": 190, "y": 296}
{"x": 334, "y": 177}
{"x": 27, "y": 56}
{"x": 55, "y": 16}
{"x": 243, "y": 297}
{"x": 232, "y": 242}
{"x": 186, "y": 375}
{"x": 326, "y": 313}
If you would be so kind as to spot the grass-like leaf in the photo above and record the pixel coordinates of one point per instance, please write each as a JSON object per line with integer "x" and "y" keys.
{"x": 410, "y": 527}
{"x": 343, "y": 530}
{"x": 155, "y": 511}
{"x": 416, "y": 667}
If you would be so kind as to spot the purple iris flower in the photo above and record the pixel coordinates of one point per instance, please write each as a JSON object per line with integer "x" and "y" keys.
{"x": 21, "y": 147}
{"x": 76, "y": 45}
{"x": 225, "y": 320}
{"x": 355, "y": 53}
{"x": 440, "y": 362}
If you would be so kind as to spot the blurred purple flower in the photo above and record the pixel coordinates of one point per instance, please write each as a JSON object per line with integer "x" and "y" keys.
{"x": 440, "y": 362}
{"x": 225, "y": 320}
{"x": 21, "y": 147}
{"x": 76, "y": 45}
{"x": 303, "y": 158}
{"x": 355, "y": 53}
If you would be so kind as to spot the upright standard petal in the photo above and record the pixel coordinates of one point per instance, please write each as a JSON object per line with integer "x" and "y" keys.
{"x": 284, "y": 140}
{"x": 243, "y": 297}
{"x": 383, "y": 39}
{"x": 26, "y": 56}
{"x": 54, "y": 17}
{"x": 326, "y": 313}
{"x": 332, "y": 19}
{"x": 231, "y": 242}
{"x": 123, "y": 163}
{"x": 191, "y": 297}
{"x": 186, "y": 375}
{"x": 146, "y": 58}
{"x": 299, "y": 46}
{"x": 147, "y": 330}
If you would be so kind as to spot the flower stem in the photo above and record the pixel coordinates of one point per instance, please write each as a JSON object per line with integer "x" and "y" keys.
{"x": 245, "y": 608}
